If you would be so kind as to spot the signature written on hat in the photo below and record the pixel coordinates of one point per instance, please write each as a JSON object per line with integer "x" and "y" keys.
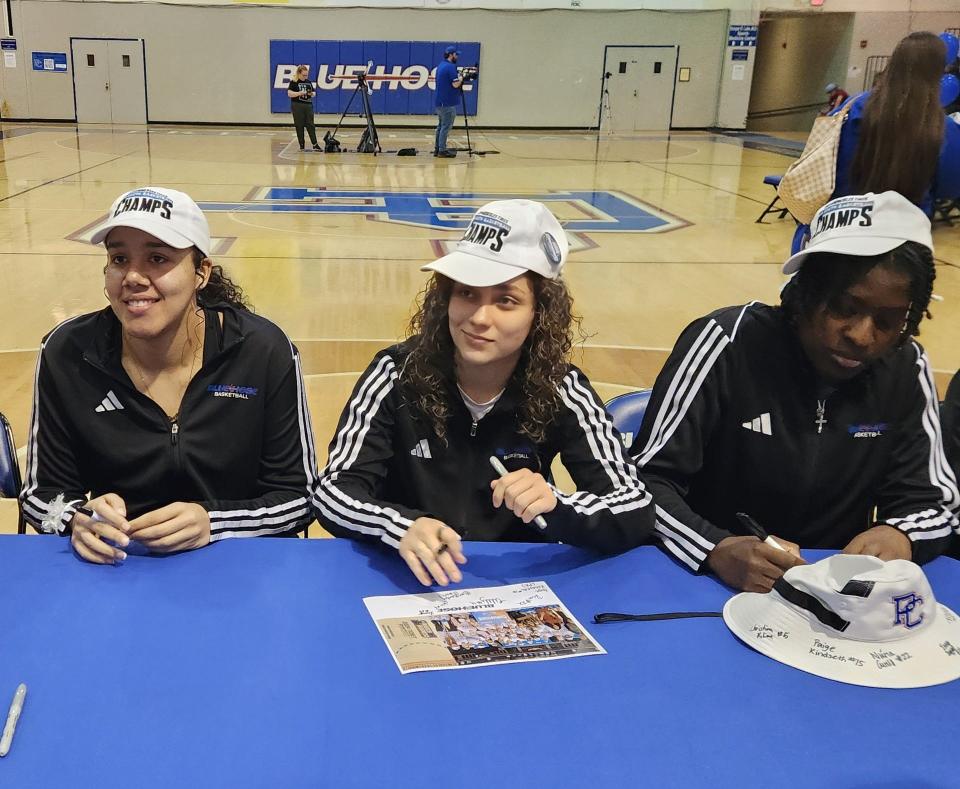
{"x": 853, "y": 619}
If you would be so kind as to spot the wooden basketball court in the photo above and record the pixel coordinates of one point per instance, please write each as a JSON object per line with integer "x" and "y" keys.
{"x": 329, "y": 245}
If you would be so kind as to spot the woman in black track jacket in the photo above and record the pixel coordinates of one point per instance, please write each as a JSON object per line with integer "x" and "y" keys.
{"x": 179, "y": 412}
{"x": 484, "y": 374}
{"x": 817, "y": 418}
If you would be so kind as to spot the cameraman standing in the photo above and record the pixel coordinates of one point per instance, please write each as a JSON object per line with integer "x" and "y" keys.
{"x": 301, "y": 92}
{"x": 447, "y": 82}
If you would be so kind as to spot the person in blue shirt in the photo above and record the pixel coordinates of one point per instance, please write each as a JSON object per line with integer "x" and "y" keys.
{"x": 448, "y": 82}
{"x": 896, "y": 136}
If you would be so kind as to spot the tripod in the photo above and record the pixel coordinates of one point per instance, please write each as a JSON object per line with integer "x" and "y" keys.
{"x": 370, "y": 139}
{"x": 604, "y": 108}
{"x": 466, "y": 125}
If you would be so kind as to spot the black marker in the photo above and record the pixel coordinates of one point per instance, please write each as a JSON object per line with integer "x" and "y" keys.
{"x": 758, "y": 531}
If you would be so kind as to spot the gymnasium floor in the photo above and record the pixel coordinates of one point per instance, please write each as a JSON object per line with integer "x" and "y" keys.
{"x": 329, "y": 246}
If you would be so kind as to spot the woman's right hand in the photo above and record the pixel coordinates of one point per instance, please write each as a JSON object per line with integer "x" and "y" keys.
{"x": 88, "y": 535}
{"x": 431, "y": 548}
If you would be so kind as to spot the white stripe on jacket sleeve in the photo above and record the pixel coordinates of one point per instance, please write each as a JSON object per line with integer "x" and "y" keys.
{"x": 333, "y": 503}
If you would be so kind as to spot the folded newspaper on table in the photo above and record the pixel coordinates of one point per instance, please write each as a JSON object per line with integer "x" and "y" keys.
{"x": 463, "y": 628}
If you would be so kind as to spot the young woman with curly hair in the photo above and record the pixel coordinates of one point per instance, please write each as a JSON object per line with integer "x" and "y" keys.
{"x": 174, "y": 417}
{"x": 485, "y": 373}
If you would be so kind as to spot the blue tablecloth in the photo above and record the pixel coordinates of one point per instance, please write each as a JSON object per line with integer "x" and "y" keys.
{"x": 254, "y": 663}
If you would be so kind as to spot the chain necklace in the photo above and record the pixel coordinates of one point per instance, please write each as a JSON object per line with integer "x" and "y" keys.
{"x": 821, "y": 420}
{"x": 183, "y": 388}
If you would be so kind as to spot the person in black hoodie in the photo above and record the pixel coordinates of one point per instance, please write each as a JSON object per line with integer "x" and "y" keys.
{"x": 817, "y": 418}
{"x": 177, "y": 410}
{"x": 484, "y": 373}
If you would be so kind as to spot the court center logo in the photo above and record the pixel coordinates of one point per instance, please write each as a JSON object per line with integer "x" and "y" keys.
{"x": 584, "y": 214}
{"x": 587, "y": 211}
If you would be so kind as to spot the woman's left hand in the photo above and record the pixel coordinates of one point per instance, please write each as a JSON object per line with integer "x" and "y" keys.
{"x": 524, "y": 492}
{"x": 884, "y": 542}
{"x": 180, "y": 526}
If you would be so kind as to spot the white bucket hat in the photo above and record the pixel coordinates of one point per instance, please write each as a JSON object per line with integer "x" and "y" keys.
{"x": 854, "y": 619}
{"x": 504, "y": 239}
{"x": 864, "y": 225}
{"x": 166, "y": 214}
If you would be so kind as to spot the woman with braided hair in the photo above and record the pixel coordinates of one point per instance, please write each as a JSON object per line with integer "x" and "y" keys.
{"x": 817, "y": 419}
{"x": 484, "y": 377}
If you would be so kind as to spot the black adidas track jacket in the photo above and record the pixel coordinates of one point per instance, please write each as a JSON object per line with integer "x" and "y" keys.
{"x": 242, "y": 446}
{"x": 732, "y": 427}
{"x": 386, "y": 468}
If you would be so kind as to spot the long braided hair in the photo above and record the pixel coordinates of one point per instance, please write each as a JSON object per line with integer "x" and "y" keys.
{"x": 825, "y": 276}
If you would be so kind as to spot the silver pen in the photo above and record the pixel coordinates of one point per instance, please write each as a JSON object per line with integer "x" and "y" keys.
{"x": 16, "y": 707}
{"x": 502, "y": 471}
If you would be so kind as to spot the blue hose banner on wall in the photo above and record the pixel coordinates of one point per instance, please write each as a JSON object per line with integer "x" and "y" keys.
{"x": 400, "y": 74}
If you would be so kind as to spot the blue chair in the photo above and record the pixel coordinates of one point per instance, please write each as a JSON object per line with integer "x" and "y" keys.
{"x": 10, "y": 479}
{"x": 800, "y": 238}
{"x": 774, "y": 181}
{"x": 627, "y": 412}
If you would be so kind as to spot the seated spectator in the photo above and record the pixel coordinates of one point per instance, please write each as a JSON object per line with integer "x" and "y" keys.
{"x": 896, "y": 136}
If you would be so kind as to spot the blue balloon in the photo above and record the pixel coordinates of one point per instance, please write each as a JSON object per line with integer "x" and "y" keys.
{"x": 949, "y": 89}
{"x": 953, "y": 47}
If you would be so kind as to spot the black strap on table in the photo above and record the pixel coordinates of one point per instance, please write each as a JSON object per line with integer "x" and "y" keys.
{"x": 810, "y": 603}
{"x": 604, "y": 619}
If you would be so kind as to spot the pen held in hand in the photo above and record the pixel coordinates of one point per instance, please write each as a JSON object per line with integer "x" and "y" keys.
{"x": 16, "y": 707}
{"x": 758, "y": 531}
{"x": 502, "y": 471}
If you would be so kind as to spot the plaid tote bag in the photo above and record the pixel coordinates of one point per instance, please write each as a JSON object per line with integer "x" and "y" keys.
{"x": 809, "y": 182}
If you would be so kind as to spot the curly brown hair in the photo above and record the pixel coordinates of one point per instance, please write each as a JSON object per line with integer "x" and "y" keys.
{"x": 220, "y": 289}
{"x": 429, "y": 369}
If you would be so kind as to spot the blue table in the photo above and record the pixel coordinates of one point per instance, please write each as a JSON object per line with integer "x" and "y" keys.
{"x": 254, "y": 663}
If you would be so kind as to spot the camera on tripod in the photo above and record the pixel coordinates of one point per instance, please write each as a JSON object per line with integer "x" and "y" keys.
{"x": 469, "y": 73}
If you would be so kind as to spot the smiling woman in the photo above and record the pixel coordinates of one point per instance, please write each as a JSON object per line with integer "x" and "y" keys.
{"x": 484, "y": 378}
{"x": 174, "y": 417}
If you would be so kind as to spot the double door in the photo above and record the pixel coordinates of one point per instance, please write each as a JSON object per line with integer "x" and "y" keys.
{"x": 109, "y": 80}
{"x": 639, "y": 88}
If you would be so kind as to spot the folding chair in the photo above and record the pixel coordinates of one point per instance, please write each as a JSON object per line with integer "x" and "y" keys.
{"x": 10, "y": 479}
{"x": 946, "y": 211}
{"x": 774, "y": 181}
{"x": 627, "y": 412}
